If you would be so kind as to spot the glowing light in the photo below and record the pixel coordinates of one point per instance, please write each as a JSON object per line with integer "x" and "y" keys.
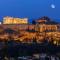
{"x": 52, "y": 6}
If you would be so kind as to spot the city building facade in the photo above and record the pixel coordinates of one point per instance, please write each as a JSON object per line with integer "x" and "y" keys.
{"x": 44, "y": 29}
{"x": 12, "y": 20}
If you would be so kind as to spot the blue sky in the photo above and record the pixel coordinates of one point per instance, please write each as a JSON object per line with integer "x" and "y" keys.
{"x": 31, "y": 9}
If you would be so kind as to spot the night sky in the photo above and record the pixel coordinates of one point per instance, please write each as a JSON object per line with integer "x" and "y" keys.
{"x": 31, "y": 9}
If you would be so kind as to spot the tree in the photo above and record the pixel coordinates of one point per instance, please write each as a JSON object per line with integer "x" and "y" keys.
{"x": 34, "y": 22}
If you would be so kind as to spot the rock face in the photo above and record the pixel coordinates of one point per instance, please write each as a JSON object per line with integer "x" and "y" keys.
{"x": 39, "y": 29}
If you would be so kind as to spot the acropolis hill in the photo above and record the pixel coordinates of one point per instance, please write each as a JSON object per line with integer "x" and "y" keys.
{"x": 20, "y": 29}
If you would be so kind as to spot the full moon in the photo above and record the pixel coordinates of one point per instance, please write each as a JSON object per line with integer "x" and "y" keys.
{"x": 52, "y": 6}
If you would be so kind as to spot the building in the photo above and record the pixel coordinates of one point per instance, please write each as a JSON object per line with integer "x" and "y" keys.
{"x": 45, "y": 24}
{"x": 12, "y": 20}
{"x": 45, "y": 28}
{"x": 49, "y": 29}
